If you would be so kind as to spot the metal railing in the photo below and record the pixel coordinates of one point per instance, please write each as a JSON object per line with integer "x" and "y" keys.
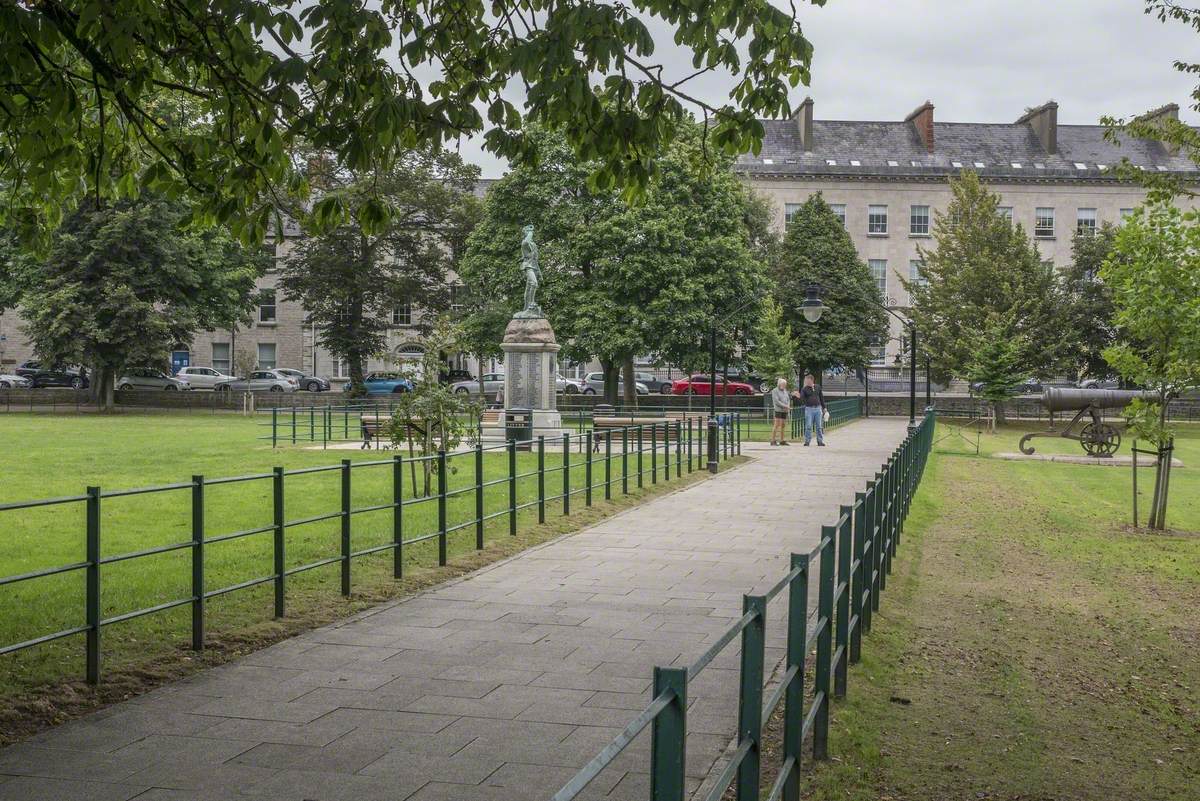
{"x": 853, "y": 560}
{"x": 640, "y": 452}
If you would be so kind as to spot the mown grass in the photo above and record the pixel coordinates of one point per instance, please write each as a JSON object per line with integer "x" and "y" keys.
{"x": 52, "y": 456}
{"x": 1031, "y": 644}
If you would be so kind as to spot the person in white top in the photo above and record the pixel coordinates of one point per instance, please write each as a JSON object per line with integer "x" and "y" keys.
{"x": 781, "y": 404}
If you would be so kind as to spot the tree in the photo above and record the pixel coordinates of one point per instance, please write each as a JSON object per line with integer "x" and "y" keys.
{"x": 996, "y": 366}
{"x": 350, "y": 278}
{"x": 1088, "y": 307}
{"x": 1153, "y": 272}
{"x": 985, "y": 269}
{"x": 773, "y": 354}
{"x": 621, "y": 278}
{"x": 122, "y": 285}
{"x": 817, "y": 249}
{"x": 87, "y": 84}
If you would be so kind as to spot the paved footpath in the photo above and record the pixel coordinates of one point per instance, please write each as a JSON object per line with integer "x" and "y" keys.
{"x": 497, "y": 687}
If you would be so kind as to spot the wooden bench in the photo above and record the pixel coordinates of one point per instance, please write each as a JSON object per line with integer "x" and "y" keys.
{"x": 600, "y": 425}
{"x": 491, "y": 417}
{"x": 372, "y": 425}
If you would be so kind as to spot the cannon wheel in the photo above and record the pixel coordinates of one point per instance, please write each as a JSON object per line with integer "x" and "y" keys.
{"x": 1100, "y": 440}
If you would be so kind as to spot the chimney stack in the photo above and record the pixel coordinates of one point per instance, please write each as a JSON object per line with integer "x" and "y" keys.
{"x": 922, "y": 120}
{"x": 1044, "y": 122}
{"x": 1159, "y": 115}
{"x": 804, "y": 124}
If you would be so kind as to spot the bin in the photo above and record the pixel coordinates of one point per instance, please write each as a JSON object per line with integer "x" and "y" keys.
{"x": 518, "y": 427}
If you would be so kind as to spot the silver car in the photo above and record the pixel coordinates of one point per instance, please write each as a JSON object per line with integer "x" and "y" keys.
{"x": 14, "y": 382}
{"x": 203, "y": 377}
{"x": 142, "y": 378}
{"x": 492, "y": 383}
{"x": 571, "y": 386}
{"x": 595, "y": 382}
{"x": 259, "y": 381}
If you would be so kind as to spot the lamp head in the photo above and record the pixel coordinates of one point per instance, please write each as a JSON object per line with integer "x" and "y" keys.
{"x": 812, "y": 308}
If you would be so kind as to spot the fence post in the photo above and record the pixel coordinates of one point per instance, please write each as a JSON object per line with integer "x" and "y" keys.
{"x": 739, "y": 433}
{"x": 873, "y": 531}
{"x": 277, "y": 544}
{"x": 797, "y": 649}
{"x": 885, "y": 526}
{"x": 541, "y": 478}
{"x": 625, "y": 460}
{"x": 274, "y": 426}
{"x": 566, "y": 474}
{"x": 587, "y": 469}
{"x": 608, "y": 465}
{"x": 93, "y": 585}
{"x": 689, "y": 444}
{"x": 824, "y": 644}
{"x": 397, "y": 516}
{"x": 750, "y": 696}
{"x": 293, "y": 423}
{"x": 678, "y": 449}
{"x": 441, "y": 468}
{"x": 197, "y": 563}
{"x": 856, "y": 597}
{"x": 640, "y": 469}
{"x": 845, "y": 584}
{"x": 512, "y": 488}
{"x": 653, "y": 453}
{"x": 668, "y": 737}
{"x": 346, "y": 526}
{"x": 312, "y": 424}
{"x": 478, "y": 496}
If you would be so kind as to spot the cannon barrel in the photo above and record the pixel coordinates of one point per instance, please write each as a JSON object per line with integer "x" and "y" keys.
{"x": 1058, "y": 399}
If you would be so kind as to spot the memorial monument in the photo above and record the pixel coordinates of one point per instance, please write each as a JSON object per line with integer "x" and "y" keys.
{"x": 531, "y": 355}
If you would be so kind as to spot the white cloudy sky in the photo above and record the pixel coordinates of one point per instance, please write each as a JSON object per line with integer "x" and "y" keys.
{"x": 976, "y": 60}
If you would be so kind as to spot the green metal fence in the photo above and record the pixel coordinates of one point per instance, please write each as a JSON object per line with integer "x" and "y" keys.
{"x": 610, "y": 461}
{"x": 851, "y": 564}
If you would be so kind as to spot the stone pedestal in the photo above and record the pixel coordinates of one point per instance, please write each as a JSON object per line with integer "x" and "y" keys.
{"x": 530, "y": 373}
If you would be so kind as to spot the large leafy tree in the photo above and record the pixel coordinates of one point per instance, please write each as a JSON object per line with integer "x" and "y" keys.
{"x": 1088, "y": 303}
{"x": 1153, "y": 272}
{"x": 773, "y": 353}
{"x": 350, "y": 278}
{"x": 984, "y": 269}
{"x": 122, "y": 285}
{"x": 619, "y": 277}
{"x": 87, "y": 87}
{"x": 817, "y": 249}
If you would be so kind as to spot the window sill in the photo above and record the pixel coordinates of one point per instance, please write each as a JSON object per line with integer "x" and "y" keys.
{"x": 878, "y": 235}
{"x": 1044, "y": 236}
{"x": 267, "y": 324}
{"x": 920, "y": 236}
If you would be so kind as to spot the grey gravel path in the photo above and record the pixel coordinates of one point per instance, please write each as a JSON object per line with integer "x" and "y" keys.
{"x": 497, "y": 687}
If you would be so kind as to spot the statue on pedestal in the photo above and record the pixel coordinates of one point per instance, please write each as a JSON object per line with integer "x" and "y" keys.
{"x": 533, "y": 275}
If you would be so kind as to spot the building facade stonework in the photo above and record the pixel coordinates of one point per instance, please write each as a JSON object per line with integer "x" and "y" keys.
{"x": 887, "y": 180}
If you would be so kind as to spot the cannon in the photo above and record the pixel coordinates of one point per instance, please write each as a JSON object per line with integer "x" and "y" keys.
{"x": 1097, "y": 437}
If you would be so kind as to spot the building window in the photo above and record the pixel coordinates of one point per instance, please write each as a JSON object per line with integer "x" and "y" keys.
{"x": 1126, "y": 213}
{"x": 1085, "y": 221}
{"x": 269, "y": 252}
{"x": 879, "y": 273}
{"x": 220, "y": 357}
{"x": 1005, "y": 212}
{"x": 877, "y": 219}
{"x": 266, "y": 355}
{"x": 789, "y": 212}
{"x": 266, "y": 305}
{"x": 402, "y": 314}
{"x": 341, "y": 368}
{"x": 1043, "y": 223}
{"x": 918, "y": 221}
{"x": 457, "y": 293}
{"x": 915, "y": 266}
{"x": 839, "y": 211}
{"x": 877, "y": 349}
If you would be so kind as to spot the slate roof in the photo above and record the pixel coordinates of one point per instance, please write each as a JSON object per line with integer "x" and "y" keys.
{"x": 994, "y": 145}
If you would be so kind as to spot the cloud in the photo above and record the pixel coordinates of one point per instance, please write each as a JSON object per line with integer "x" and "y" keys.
{"x": 977, "y": 60}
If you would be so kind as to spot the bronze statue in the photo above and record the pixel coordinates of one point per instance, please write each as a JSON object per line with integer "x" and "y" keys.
{"x": 533, "y": 274}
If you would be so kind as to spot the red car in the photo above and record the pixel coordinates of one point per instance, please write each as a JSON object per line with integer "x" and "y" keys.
{"x": 699, "y": 384}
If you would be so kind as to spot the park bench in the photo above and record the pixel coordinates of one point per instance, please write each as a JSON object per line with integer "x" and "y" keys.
{"x": 372, "y": 426}
{"x": 601, "y": 425}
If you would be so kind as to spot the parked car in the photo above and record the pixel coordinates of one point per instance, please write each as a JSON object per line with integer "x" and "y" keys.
{"x": 492, "y": 383}
{"x": 145, "y": 378}
{"x": 595, "y": 382}
{"x": 203, "y": 377}
{"x": 1030, "y": 386}
{"x": 1098, "y": 383}
{"x": 14, "y": 382}
{"x": 661, "y": 386}
{"x": 386, "y": 384}
{"x": 311, "y": 383}
{"x": 259, "y": 381}
{"x": 757, "y": 382}
{"x": 571, "y": 386}
{"x": 701, "y": 384}
{"x": 455, "y": 376}
{"x": 52, "y": 376}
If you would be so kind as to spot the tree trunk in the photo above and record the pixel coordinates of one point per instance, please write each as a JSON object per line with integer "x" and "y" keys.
{"x": 1001, "y": 416}
{"x": 102, "y": 386}
{"x": 630, "y": 385}
{"x": 482, "y": 389}
{"x": 611, "y": 377}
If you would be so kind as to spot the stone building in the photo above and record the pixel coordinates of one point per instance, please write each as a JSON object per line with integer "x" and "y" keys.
{"x": 886, "y": 180}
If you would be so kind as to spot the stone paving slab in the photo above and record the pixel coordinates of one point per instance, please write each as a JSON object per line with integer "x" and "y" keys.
{"x": 495, "y": 687}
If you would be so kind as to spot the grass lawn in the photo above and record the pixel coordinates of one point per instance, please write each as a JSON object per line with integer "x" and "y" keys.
{"x": 1031, "y": 644}
{"x": 46, "y": 456}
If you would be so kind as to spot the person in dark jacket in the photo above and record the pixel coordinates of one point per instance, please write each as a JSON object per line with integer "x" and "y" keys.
{"x": 814, "y": 411}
